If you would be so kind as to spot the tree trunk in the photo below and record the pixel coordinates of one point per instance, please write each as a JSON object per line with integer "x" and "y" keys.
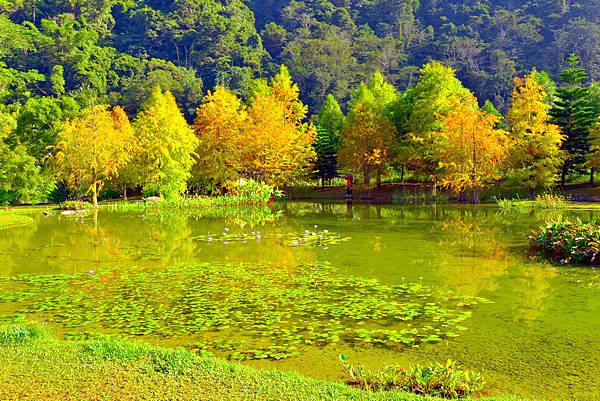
{"x": 532, "y": 193}
{"x": 462, "y": 197}
{"x": 125, "y": 193}
{"x": 95, "y": 193}
{"x": 592, "y": 177}
{"x": 378, "y": 179}
{"x": 563, "y": 178}
{"x": 434, "y": 189}
{"x": 475, "y": 196}
{"x": 367, "y": 176}
{"x": 402, "y": 174}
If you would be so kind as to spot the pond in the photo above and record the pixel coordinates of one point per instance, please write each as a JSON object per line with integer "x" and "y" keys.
{"x": 382, "y": 284}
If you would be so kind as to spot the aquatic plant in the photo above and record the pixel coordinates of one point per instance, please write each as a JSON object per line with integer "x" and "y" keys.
{"x": 568, "y": 242}
{"x": 438, "y": 380}
{"x": 310, "y": 238}
{"x": 242, "y": 311}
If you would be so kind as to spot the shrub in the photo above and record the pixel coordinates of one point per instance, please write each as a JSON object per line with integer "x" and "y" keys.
{"x": 568, "y": 242}
{"x": 250, "y": 191}
{"x": 447, "y": 381}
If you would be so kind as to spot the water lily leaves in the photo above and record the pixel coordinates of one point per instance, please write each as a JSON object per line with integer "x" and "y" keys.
{"x": 241, "y": 311}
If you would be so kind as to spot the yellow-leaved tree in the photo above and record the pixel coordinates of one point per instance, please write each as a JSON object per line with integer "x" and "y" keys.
{"x": 536, "y": 156}
{"x": 167, "y": 145}
{"x": 93, "y": 147}
{"x": 220, "y": 126}
{"x": 472, "y": 150}
{"x": 278, "y": 143}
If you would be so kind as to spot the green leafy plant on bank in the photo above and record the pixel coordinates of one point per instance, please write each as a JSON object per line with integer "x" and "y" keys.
{"x": 568, "y": 242}
{"x": 439, "y": 380}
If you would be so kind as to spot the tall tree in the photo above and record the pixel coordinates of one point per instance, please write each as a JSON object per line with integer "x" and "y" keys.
{"x": 432, "y": 99}
{"x": 472, "y": 150}
{"x": 93, "y": 147}
{"x": 536, "y": 155}
{"x": 574, "y": 114}
{"x": 327, "y": 144}
{"x": 368, "y": 136}
{"x": 326, "y": 148}
{"x": 220, "y": 124}
{"x": 167, "y": 144}
{"x": 21, "y": 177}
{"x": 279, "y": 141}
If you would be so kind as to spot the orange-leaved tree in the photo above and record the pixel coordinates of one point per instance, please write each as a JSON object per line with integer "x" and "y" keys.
{"x": 536, "y": 156}
{"x": 93, "y": 147}
{"x": 472, "y": 150}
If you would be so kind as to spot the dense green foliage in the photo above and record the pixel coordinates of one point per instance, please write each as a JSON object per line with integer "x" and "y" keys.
{"x": 60, "y": 58}
{"x": 569, "y": 242}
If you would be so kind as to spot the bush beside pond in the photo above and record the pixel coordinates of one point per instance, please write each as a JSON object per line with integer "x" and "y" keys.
{"x": 568, "y": 242}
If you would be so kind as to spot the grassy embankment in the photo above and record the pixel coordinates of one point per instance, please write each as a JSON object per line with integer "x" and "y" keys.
{"x": 34, "y": 366}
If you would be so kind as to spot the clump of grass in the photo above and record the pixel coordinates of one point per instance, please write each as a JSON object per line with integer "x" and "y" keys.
{"x": 20, "y": 334}
{"x": 162, "y": 360}
{"x": 546, "y": 202}
{"x": 447, "y": 381}
{"x": 568, "y": 242}
{"x": 550, "y": 201}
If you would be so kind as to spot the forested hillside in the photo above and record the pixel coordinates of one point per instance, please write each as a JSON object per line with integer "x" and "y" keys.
{"x": 109, "y": 47}
{"x": 65, "y": 65}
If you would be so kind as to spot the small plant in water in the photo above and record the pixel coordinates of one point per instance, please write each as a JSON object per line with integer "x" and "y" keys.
{"x": 447, "y": 381}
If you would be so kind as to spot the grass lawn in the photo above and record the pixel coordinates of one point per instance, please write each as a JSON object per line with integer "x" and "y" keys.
{"x": 36, "y": 366}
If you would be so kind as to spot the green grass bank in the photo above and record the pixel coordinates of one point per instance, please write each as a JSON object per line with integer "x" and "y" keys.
{"x": 36, "y": 366}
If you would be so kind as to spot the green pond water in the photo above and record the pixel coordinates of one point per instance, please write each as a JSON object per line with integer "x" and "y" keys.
{"x": 382, "y": 284}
